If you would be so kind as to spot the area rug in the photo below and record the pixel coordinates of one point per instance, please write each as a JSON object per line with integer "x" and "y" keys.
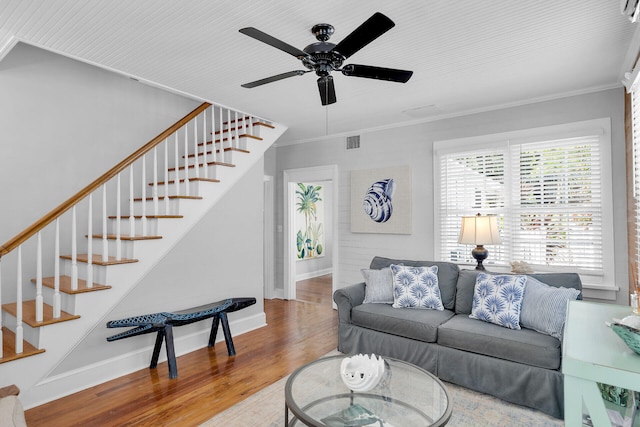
{"x": 470, "y": 409}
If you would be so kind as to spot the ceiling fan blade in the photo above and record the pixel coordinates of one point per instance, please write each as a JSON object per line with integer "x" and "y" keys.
{"x": 327, "y": 90}
{"x": 274, "y": 78}
{"x": 367, "y": 71}
{"x": 272, "y": 41}
{"x": 370, "y": 30}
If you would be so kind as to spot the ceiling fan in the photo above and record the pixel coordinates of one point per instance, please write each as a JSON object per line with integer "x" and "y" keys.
{"x": 324, "y": 57}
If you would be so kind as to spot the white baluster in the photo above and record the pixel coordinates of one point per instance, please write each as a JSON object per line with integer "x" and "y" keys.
{"x": 1, "y": 337}
{"x": 204, "y": 142}
{"x": 105, "y": 241}
{"x": 118, "y": 219}
{"x": 74, "y": 251}
{"x": 228, "y": 133}
{"x": 89, "y": 244}
{"x": 196, "y": 164}
{"x": 143, "y": 184}
{"x": 155, "y": 181}
{"x": 166, "y": 176}
{"x": 186, "y": 162}
{"x": 56, "y": 271}
{"x": 39, "y": 299}
{"x": 221, "y": 133}
{"x": 19, "y": 330}
{"x": 176, "y": 174}
{"x": 236, "y": 143}
{"x": 132, "y": 217}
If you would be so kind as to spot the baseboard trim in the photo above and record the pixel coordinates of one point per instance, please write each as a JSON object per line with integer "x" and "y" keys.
{"x": 58, "y": 386}
{"x": 312, "y": 274}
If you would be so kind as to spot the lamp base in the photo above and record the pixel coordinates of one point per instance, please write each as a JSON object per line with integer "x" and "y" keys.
{"x": 480, "y": 254}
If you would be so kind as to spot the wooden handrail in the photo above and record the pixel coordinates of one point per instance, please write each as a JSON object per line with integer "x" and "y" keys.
{"x": 76, "y": 198}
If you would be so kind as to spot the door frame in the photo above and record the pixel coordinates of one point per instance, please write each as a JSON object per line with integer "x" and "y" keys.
{"x": 290, "y": 178}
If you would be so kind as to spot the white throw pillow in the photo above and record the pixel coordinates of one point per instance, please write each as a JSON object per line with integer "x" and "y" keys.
{"x": 498, "y": 298}
{"x": 544, "y": 307}
{"x": 416, "y": 287}
{"x": 379, "y": 286}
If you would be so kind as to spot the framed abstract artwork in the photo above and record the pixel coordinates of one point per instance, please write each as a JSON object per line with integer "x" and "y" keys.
{"x": 381, "y": 200}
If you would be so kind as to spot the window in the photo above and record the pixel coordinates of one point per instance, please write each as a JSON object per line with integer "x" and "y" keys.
{"x": 546, "y": 187}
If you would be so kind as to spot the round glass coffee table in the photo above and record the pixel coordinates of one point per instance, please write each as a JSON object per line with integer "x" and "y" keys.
{"x": 405, "y": 396}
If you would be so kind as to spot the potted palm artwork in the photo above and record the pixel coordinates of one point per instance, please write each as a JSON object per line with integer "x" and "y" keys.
{"x": 310, "y": 234}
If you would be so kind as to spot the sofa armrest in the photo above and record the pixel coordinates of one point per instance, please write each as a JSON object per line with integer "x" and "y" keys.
{"x": 347, "y": 298}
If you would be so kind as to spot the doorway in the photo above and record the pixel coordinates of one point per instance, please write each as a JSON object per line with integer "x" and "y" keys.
{"x": 328, "y": 176}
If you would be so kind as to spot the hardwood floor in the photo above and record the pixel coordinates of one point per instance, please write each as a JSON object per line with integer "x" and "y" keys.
{"x": 209, "y": 381}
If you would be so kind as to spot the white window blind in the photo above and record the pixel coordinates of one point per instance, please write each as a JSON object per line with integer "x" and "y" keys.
{"x": 635, "y": 120}
{"x": 546, "y": 193}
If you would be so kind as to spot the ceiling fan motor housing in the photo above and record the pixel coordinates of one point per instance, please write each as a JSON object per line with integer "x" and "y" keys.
{"x": 322, "y": 58}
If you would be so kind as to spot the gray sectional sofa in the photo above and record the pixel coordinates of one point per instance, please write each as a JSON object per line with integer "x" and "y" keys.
{"x": 519, "y": 366}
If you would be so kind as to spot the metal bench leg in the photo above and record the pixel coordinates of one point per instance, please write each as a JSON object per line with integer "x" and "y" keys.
{"x": 156, "y": 349}
{"x": 214, "y": 330}
{"x": 171, "y": 353}
{"x": 227, "y": 334}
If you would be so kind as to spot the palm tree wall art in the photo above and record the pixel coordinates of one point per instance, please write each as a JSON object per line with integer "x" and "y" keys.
{"x": 309, "y": 220}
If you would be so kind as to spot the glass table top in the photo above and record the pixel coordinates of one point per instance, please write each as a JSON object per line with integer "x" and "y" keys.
{"x": 405, "y": 396}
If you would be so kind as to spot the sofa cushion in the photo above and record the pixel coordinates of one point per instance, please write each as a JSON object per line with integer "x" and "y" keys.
{"x": 447, "y": 276}
{"x": 524, "y": 346}
{"x": 416, "y": 287}
{"x": 420, "y": 325}
{"x": 467, "y": 281}
{"x": 379, "y": 286}
{"x": 497, "y": 299}
{"x": 544, "y": 307}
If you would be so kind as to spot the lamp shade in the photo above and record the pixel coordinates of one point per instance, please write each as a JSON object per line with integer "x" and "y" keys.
{"x": 479, "y": 230}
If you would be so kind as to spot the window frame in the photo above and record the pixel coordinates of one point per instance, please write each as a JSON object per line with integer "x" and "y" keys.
{"x": 601, "y": 127}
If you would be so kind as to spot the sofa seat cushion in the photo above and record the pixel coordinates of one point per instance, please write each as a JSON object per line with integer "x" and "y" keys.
{"x": 419, "y": 325}
{"x": 521, "y": 346}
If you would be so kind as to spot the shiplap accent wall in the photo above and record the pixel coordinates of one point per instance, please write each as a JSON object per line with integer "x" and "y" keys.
{"x": 412, "y": 145}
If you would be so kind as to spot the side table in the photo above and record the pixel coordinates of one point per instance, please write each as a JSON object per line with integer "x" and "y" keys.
{"x": 592, "y": 353}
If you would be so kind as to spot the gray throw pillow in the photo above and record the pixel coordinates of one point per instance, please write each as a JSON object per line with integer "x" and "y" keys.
{"x": 379, "y": 286}
{"x": 544, "y": 307}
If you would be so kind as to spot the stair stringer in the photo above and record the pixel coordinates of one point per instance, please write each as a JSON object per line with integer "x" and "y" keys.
{"x": 33, "y": 374}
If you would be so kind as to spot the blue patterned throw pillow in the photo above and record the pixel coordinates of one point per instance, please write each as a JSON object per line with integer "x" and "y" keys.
{"x": 416, "y": 287}
{"x": 498, "y": 299}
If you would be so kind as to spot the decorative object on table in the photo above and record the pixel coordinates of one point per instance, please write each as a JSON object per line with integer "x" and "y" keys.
{"x": 354, "y": 415}
{"x": 381, "y": 200}
{"x": 479, "y": 230}
{"x": 361, "y": 372}
{"x": 521, "y": 267}
{"x": 628, "y": 329}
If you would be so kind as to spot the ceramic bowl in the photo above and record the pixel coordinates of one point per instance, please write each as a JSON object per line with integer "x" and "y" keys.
{"x": 630, "y": 335}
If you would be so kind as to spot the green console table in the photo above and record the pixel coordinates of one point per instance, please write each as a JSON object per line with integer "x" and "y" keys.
{"x": 592, "y": 353}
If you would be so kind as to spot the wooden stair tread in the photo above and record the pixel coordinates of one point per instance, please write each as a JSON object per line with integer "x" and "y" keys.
{"x": 150, "y": 199}
{"x": 239, "y": 150}
{"x": 9, "y": 347}
{"x": 65, "y": 285}
{"x": 125, "y": 237}
{"x": 29, "y": 314}
{"x": 96, "y": 259}
{"x": 147, "y": 216}
{"x": 190, "y": 179}
{"x": 230, "y": 165}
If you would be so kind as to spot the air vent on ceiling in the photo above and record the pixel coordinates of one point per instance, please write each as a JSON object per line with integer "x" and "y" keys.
{"x": 353, "y": 142}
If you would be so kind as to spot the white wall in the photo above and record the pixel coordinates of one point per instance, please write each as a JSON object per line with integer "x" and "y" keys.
{"x": 64, "y": 123}
{"x": 412, "y": 145}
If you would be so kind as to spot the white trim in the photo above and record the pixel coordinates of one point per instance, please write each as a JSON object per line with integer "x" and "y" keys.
{"x": 312, "y": 274}
{"x": 290, "y": 178}
{"x": 268, "y": 243}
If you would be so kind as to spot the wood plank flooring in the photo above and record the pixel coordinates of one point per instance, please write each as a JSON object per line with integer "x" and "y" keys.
{"x": 209, "y": 381}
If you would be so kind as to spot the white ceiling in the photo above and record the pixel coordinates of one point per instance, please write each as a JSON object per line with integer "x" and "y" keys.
{"x": 467, "y": 55}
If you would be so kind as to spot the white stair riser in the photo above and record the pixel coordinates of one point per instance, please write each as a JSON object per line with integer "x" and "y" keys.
{"x": 164, "y": 208}
{"x": 227, "y": 157}
{"x": 67, "y": 301}
{"x": 99, "y": 271}
{"x": 212, "y": 173}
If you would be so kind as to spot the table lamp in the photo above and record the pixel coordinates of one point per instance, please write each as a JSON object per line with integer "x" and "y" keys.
{"x": 479, "y": 230}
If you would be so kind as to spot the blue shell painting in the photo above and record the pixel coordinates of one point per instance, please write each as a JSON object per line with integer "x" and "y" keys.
{"x": 377, "y": 201}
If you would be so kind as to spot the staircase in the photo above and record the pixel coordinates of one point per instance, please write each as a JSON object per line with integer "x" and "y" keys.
{"x": 109, "y": 235}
